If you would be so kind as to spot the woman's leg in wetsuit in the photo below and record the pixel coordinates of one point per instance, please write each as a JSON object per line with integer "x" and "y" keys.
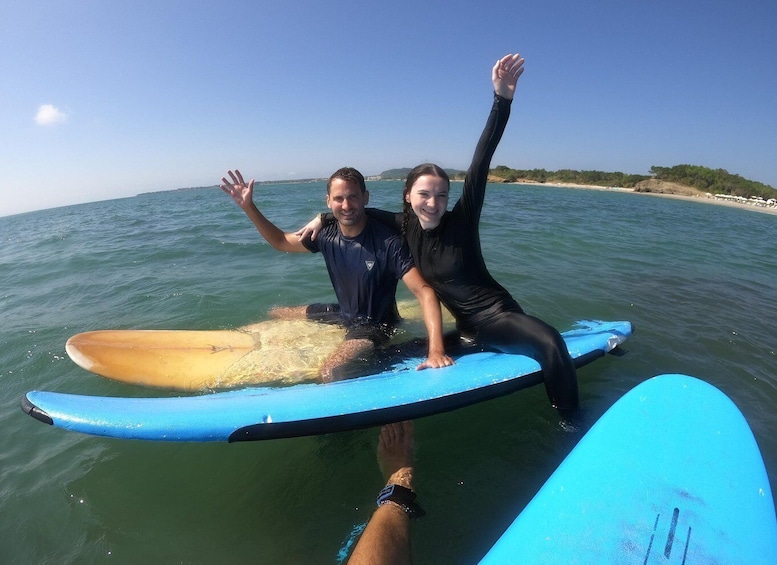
{"x": 519, "y": 333}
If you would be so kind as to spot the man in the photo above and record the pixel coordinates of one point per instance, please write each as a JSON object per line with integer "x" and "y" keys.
{"x": 365, "y": 260}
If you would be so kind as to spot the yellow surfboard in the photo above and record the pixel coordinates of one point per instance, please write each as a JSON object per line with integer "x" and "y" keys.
{"x": 270, "y": 352}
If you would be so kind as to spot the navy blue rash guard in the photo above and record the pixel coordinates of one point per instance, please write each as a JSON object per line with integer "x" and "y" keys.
{"x": 364, "y": 271}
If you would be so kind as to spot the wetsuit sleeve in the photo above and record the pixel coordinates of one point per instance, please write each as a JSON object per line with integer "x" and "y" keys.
{"x": 310, "y": 245}
{"x": 474, "y": 191}
{"x": 391, "y": 219}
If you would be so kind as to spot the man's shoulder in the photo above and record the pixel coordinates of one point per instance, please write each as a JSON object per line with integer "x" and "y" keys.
{"x": 325, "y": 236}
{"x": 330, "y": 231}
{"x": 380, "y": 237}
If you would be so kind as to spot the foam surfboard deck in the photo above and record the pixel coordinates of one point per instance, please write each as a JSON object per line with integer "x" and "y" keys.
{"x": 670, "y": 474}
{"x": 308, "y": 409}
{"x": 273, "y": 351}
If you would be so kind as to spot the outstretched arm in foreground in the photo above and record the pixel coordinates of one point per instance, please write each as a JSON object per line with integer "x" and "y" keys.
{"x": 243, "y": 195}
{"x": 430, "y": 306}
{"x": 386, "y": 539}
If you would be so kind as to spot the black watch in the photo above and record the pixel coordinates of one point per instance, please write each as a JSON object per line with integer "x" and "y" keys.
{"x": 404, "y": 497}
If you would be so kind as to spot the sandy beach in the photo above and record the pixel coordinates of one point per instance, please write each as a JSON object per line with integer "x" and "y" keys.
{"x": 700, "y": 197}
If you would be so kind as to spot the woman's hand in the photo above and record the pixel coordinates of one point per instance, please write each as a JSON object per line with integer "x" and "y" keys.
{"x": 505, "y": 75}
{"x": 311, "y": 228}
{"x": 435, "y": 361}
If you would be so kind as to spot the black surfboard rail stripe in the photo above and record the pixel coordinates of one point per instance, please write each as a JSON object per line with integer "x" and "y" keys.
{"x": 381, "y": 416}
{"x": 31, "y": 410}
{"x": 378, "y": 417}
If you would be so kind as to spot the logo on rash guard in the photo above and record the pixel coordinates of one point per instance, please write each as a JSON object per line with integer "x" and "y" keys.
{"x": 370, "y": 265}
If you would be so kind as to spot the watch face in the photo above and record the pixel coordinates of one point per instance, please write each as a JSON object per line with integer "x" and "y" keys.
{"x": 401, "y": 496}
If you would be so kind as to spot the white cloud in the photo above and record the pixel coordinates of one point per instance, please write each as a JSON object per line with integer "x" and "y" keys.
{"x": 49, "y": 115}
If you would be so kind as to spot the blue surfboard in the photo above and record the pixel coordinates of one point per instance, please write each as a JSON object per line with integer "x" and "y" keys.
{"x": 670, "y": 474}
{"x": 308, "y": 409}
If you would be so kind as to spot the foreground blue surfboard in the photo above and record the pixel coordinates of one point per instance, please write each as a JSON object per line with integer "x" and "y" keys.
{"x": 670, "y": 474}
{"x": 265, "y": 413}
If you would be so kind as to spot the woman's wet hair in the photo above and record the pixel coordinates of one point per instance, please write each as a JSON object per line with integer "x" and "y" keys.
{"x": 424, "y": 169}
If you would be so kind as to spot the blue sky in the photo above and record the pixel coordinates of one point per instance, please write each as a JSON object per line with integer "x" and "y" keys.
{"x": 106, "y": 99}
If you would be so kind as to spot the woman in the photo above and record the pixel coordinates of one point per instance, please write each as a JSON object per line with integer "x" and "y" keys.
{"x": 446, "y": 248}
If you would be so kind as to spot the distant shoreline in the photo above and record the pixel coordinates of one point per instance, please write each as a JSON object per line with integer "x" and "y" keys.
{"x": 701, "y": 197}
{"x": 698, "y": 197}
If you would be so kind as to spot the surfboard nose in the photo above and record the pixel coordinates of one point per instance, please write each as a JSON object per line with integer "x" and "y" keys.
{"x": 31, "y": 410}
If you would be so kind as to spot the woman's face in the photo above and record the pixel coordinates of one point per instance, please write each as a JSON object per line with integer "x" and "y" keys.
{"x": 429, "y": 199}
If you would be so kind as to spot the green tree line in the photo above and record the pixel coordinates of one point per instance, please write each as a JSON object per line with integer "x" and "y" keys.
{"x": 568, "y": 175}
{"x": 716, "y": 181}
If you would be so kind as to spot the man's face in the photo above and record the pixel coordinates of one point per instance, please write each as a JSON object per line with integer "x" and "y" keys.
{"x": 347, "y": 202}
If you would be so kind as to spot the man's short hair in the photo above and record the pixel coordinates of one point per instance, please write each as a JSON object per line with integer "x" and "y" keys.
{"x": 347, "y": 174}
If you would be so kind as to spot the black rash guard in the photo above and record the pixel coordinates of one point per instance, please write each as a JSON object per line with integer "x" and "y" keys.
{"x": 450, "y": 260}
{"x": 449, "y": 256}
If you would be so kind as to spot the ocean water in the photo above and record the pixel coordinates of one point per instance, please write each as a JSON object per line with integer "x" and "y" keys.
{"x": 698, "y": 281}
